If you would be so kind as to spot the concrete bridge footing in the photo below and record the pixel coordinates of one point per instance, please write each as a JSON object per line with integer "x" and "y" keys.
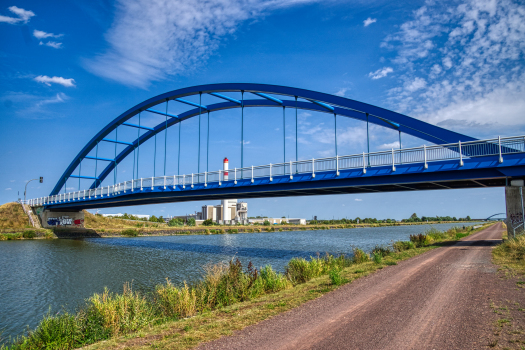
{"x": 515, "y": 209}
{"x": 59, "y": 219}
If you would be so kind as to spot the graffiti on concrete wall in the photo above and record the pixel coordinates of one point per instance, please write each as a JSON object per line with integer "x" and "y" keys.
{"x": 65, "y": 221}
{"x": 516, "y": 218}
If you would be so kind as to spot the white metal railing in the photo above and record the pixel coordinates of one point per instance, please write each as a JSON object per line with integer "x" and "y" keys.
{"x": 426, "y": 154}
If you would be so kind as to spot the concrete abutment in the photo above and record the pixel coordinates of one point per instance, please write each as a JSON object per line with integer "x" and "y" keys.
{"x": 515, "y": 208}
{"x": 59, "y": 219}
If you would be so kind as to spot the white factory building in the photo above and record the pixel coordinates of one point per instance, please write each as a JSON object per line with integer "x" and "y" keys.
{"x": 226, "y": 212}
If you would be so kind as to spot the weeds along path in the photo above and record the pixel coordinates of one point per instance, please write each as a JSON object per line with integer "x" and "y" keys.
{"x": 438, "y": 300}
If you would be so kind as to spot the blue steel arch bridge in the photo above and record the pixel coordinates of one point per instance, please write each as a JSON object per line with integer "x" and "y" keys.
{"x": 450, "y": 161}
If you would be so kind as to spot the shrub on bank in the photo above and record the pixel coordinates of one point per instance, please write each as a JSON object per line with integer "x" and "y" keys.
{"x": 176, "y": 302}
{"x": 29, "y": 234}
{"x": 300, "y": 270}
{"x": 401, "y": 246}
{"x": 360, "y": 256}
{"x": 335, "y": 277}
{"x": 130, "y": 233}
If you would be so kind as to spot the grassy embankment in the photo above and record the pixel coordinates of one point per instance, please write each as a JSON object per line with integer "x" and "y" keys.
{"x": 508, "y": 328}
{"x": 228, "y": 298}
{"x": 14, "y": 224}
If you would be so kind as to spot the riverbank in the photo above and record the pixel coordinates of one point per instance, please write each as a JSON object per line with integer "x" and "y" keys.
{"x": 255, "y": 308}
{"x": 19, "y": 234}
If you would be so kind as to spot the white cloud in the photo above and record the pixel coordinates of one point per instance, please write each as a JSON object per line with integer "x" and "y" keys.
{"x": 369, "y": 21}
{"x": 52, "y": 44}
{"x": 342, "y": 92}
{"x": 380, "y": 73}
{"x": 416, "y": 84}
{"x": 31, "y": 106}
{"x": 43, "y": 35}
{"x": 23, "y": 15}
{"x": 59, "y": 98}
{"x": 55, "y": 80}
{"x": 394, "y": 145}
{"x": 12, "y": 180}
{"x": 358, "y": 200}
{"x": 461, "y": 65}
{"x": 153, "y": 39}
{"x": 8, "y": 189}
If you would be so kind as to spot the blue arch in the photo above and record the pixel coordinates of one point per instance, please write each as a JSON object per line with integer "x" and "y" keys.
{"x": 315, "y": 101}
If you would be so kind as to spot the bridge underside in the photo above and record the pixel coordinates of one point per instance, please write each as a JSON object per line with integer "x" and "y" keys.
{"x": 475, "y": 173}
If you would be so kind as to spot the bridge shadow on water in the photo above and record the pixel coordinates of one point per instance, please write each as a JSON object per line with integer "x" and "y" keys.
{"x": 268, "y": 253}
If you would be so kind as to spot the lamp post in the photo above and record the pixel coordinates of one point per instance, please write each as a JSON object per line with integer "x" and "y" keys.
{"x": 41, "y": 179}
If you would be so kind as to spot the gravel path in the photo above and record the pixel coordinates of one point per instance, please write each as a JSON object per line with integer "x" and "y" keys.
{"x": 437, "y": 300}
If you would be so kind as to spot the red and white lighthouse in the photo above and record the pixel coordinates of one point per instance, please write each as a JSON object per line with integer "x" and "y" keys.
{"x": 225, "y": 168}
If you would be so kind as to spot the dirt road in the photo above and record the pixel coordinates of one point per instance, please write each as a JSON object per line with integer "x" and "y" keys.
{"x": 438, "y": 300}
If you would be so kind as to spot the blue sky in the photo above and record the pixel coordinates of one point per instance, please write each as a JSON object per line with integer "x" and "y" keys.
{"x": 68, "y": 69}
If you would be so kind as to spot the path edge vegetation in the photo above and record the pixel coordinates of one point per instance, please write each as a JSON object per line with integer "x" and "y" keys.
{"x": 183, "y": 317}
{"x": 509, "y": 257}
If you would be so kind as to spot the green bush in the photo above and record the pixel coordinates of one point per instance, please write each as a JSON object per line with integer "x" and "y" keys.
{"x": 266, "y": 223}
{"x": 377, "y": 257}
{"x": 436, "y": 234}
{"x": 29, "y": 234}
{"x": 191, "y": 222}
{"x": 175, "y": 222}
{"x": 63, "y": 331}
{"x": 208, "y": 222}
{"x": 382, "y": 250}
{"x": 420, "y": 240}
{"x": 300, "y": 270}
{"x": 272, "y": 281}
{"x": 360, "y": 256}
{"x": 120, "y": 313}
{"x": 130, "y": 232}
{"x": 401, "y": 246}
{"x": 335, "y": 277}
{"x": 176, "y": 302}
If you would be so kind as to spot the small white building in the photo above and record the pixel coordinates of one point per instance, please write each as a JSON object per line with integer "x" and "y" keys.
{"x": 275, "y": 221}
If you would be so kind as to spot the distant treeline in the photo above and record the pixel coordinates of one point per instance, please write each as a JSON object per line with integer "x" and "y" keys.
{"x": 413, "y": 218}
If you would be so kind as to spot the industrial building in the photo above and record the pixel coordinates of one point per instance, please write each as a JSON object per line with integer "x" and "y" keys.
{"x": 228, "y": 212}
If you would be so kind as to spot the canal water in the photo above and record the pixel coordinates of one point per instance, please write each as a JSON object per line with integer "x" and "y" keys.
{"x": 37, "y": 276}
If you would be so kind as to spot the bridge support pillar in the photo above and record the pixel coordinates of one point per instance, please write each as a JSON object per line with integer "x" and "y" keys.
{"x": 61, "y": 219}
{"x": 515, "y": 210}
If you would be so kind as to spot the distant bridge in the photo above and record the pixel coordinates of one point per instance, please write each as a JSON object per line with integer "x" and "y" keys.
{"x": 487, "y": 219}
{"x": 454, "y": 161}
